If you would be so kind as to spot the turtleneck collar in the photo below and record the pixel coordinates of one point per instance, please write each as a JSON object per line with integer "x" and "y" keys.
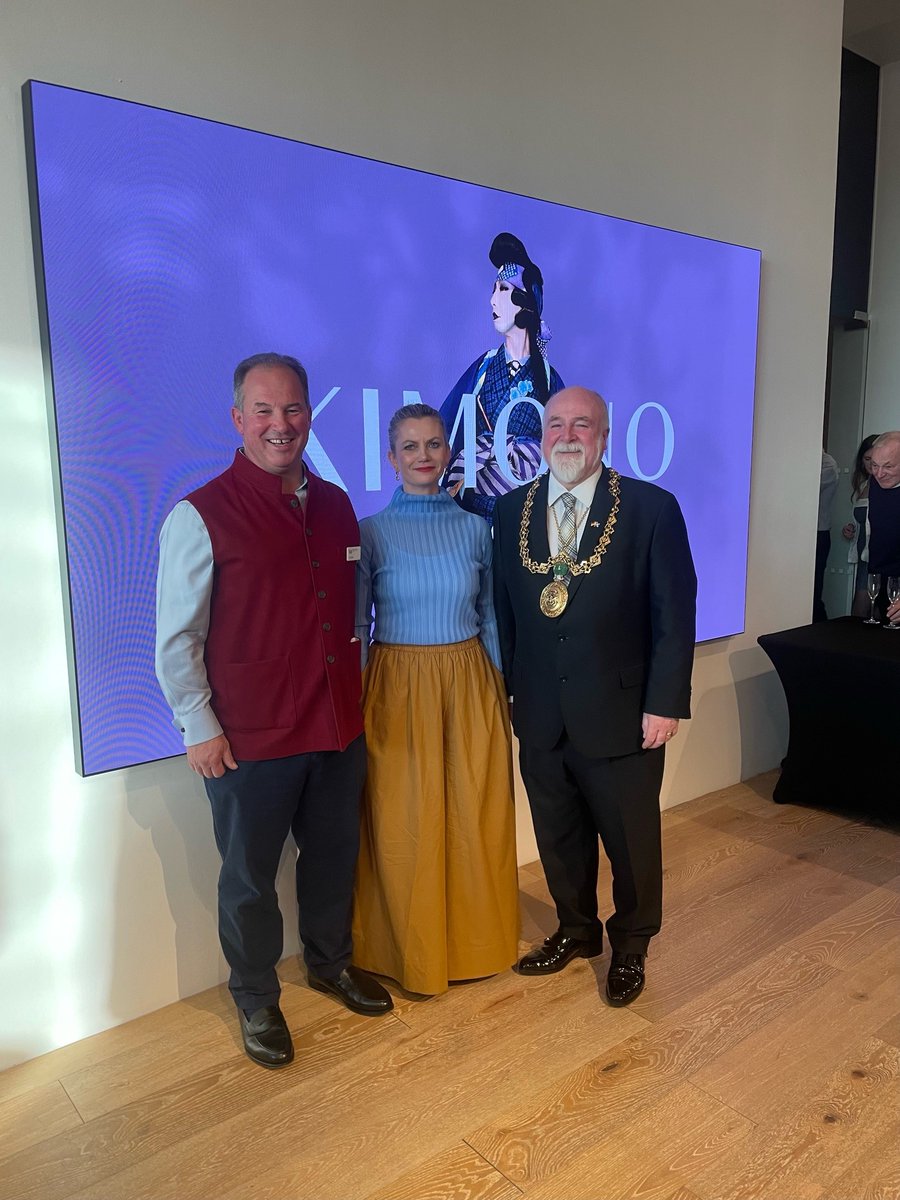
{"x": 401, "y": 499}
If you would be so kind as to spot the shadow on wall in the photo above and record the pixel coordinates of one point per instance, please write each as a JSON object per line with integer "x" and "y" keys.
{"x": 762, "y": 711}
{"x": 754, "y": 701}
{"x": 168, "y": 802}
{"x": 706, "y": 747}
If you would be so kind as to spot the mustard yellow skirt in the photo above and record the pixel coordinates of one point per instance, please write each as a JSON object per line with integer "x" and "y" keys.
{"x": 436, "y": 892}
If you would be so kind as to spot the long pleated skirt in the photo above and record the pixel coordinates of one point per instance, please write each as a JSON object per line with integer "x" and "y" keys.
{"x": 436, "y": 893}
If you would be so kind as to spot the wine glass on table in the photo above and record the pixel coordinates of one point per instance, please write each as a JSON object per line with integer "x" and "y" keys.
{"x": 893, "y": 592}
{"x": 873, "y": 587}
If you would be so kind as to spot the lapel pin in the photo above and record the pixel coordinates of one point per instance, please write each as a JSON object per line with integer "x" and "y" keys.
{"x": 595, "y": 524}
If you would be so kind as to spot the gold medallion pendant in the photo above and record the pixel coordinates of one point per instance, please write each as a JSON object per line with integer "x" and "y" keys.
{"x": 554, "y": 598}
{"x": 555, "y": 595}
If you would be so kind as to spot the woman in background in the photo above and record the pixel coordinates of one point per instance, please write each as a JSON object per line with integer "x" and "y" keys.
{"x": 517, "y": 370}
{"x": 857, "y": 530}
{"x": 437, "y": 893}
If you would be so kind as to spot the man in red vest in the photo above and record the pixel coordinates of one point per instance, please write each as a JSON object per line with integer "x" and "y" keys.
{"x": 257, "y": 657}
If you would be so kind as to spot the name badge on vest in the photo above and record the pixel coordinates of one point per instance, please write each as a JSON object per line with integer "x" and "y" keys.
{"x": 353, "y": 554}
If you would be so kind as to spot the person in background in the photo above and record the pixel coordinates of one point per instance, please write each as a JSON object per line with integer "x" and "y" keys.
{"x": 884, "y": 514}
{"x": 437, "y": 890}
{"x": 257, "y": 657}
{"x": 857, "y": 531}
{"x": 828, "y": 481}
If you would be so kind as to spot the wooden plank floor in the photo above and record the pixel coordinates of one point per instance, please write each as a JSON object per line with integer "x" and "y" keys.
{"x": 762, "y": 1061}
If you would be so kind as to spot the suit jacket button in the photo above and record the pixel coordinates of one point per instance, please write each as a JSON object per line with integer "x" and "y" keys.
{"x": 321, "y": 594}
{"x": 330, "y": 658}
{"x": 563, "y": 679}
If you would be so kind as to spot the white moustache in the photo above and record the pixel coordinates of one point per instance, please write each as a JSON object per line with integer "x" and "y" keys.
{"x": 567, "y": 461}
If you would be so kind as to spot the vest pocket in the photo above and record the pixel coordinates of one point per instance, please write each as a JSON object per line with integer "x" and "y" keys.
{"x": 257, "y": 695}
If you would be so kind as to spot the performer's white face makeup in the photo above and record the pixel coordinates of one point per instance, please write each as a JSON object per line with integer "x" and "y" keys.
{"x": 420, "y": 454}
{"x": 576, "y": 428}
{"x": 503, "y": 310}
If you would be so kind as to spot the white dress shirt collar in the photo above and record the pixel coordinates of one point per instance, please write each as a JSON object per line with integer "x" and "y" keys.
{"x": 583, "y": 492}
{"x": 584, "y": 498}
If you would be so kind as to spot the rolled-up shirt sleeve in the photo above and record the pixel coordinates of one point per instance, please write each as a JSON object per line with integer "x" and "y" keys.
{"x": 183, "y": 591}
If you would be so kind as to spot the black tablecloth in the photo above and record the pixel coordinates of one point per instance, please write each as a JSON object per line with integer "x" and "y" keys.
{"x": 842, "y": 683}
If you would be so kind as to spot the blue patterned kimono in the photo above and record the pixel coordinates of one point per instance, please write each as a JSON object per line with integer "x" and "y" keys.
{"x": 489, "y": 379}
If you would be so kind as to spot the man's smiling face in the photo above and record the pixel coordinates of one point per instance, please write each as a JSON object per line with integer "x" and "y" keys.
{"x": 274, "y": 421}
{"x": 576, "y": 429}
{"x": 885, "y": 462}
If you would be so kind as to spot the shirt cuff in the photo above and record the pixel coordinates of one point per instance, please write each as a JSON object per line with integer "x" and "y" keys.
{"x": 198, "y": 726}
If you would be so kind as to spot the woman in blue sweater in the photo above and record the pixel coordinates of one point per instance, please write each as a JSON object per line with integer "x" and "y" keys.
{"x": 436, "y": 896}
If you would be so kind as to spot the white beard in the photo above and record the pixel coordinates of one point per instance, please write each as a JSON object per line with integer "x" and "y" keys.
{"x": 566, "y": 467}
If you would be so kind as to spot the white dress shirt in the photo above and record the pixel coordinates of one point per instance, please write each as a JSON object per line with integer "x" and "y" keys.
{"x": 584, "y": 498}
{"x": 183, "y": 592}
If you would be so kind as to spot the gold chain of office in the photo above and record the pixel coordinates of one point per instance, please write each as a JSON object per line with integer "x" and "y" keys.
{"x": 574, "y": 568}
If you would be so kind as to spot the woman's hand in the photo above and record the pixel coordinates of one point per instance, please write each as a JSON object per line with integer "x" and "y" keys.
{"x": 849, "y": 530}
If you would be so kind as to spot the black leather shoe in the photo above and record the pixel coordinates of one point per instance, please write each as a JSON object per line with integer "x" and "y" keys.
{"x": 359, "y": 991}
{"x": 625, "y": 980}
{"x": 267, "y": 1038}
{"x": 557, "y": 952}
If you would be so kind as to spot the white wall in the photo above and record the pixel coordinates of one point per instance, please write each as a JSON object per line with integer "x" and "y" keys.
{"x": 882, "y": 408}
{"x": 717, "y": 117}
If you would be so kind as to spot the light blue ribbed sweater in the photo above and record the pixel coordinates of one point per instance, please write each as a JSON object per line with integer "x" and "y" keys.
{"x": 425, "y": 565}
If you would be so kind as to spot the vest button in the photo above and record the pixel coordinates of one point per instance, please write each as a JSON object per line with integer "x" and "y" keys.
{"x": 327, "y": 626}
{"x": 309, "y": 533}
{"x": 315, "y": 562}
{"x": 295, "y": 503}
{"x": 321, "y": 594}
{"x": 330, "y": 658}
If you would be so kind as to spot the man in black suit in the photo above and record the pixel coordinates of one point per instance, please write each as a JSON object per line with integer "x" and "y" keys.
{"x": 595, "y": 593}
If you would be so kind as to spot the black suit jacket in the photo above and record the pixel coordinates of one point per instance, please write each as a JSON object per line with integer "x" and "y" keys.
{"x": 624, "y": 644}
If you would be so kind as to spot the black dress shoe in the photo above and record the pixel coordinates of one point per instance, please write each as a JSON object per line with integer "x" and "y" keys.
{"x": 359, "y": 991}
{"x": 557, "y": 952}
{"x": 625, "y": 980}
{"x": 267, "y": 1038}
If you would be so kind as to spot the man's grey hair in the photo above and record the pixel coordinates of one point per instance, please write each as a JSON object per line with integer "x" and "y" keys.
{"x": 604, "y": 407}
{"x": 268, "y": 359}
{"x": 883, "y": 439}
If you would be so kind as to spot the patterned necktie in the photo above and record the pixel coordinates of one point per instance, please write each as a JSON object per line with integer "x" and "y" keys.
{"x": 567, "y": 526}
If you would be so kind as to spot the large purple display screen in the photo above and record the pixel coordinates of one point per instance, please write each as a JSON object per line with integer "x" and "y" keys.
{"x": 171, "y": 247}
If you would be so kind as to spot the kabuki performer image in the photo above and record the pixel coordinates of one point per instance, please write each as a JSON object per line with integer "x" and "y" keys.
{"x": 510, "y": 384}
